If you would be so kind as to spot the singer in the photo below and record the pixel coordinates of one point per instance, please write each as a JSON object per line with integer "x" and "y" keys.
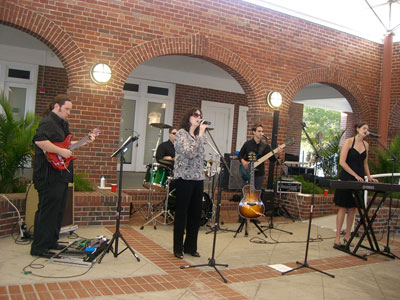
{"x": 189, "y": 176}
{"x": 354, "y": 161}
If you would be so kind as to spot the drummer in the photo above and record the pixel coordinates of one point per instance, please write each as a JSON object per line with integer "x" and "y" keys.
{"x": 166, "y": 151}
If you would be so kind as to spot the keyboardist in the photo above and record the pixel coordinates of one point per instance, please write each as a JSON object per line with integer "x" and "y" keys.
{"x": 354, "y": 161}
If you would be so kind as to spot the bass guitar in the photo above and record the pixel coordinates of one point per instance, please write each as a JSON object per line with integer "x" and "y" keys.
{"x": 60, "y": 163}
{"x": 245, "y": 173}
{"x": 251, "y": 207}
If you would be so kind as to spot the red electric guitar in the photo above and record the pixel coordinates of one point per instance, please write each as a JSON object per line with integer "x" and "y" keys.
{"x": 60, "y": 163}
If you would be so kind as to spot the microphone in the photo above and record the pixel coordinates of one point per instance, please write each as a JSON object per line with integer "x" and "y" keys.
{"x": 373, "y": 134}
{"x": 205, "y": 122}
{"x": 264, "y": 136}
{"x": 303, "y": 124}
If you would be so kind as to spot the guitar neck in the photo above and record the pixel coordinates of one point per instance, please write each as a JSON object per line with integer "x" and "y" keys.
{"x": 268, "y": 155}
{"x": 79, "y": 143}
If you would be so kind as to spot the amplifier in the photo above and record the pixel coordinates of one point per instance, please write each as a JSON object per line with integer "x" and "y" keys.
{"x": 288, "y": 187}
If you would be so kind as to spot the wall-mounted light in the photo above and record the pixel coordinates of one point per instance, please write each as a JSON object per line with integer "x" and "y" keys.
{"x": 100, "y": 74}
{"x": 274, "y": 99}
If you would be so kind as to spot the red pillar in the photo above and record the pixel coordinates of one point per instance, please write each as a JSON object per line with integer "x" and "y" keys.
{"x": 384, "y": 106}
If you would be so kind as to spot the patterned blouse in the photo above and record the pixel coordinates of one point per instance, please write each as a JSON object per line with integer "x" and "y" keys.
{"x": 189, "y": 156}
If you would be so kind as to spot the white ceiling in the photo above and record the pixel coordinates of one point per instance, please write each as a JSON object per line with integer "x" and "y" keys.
{"x": 352, "y": 16}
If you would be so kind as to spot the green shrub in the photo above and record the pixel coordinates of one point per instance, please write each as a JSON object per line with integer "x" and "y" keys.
{"x": 81, "y": 184}
{"x": 307, "y": 186}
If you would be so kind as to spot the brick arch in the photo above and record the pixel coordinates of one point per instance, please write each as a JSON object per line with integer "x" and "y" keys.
{"x": 196, "y": 46}
{"x": 50, "y": 34}
{"x": 335, "y": 79}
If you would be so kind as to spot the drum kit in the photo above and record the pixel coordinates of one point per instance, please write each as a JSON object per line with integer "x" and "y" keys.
{"x": 159, "y": 177}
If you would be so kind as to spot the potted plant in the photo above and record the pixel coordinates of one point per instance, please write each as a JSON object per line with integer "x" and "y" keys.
{"x": 16, "y": 147}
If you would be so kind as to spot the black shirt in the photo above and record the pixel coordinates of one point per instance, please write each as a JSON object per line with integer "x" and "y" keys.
{"x": 165, "y": 149}
{"x": 54, "y": 129}
{"x": 259, "y": 149}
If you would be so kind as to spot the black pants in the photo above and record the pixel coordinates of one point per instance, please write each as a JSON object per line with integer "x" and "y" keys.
{"x": 189, "y": 194}
{"x": 48, "y": 217}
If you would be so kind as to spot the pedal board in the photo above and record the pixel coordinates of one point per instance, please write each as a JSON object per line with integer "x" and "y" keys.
{"x": 82, "y": 253}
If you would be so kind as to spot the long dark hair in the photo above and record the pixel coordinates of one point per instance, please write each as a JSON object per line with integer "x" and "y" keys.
{"x": 358, "y": 126}
{"x": 185, "y": 122}
{"x": 60, "y": 99}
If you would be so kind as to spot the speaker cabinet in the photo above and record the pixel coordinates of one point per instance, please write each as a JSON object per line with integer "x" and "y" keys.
{"x": 234, "y": 182}
{"x": 32, "y": 200}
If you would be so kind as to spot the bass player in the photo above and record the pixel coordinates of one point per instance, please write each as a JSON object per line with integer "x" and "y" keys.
{"x": 51, "y": 183}
{"x": 255, "y": 145}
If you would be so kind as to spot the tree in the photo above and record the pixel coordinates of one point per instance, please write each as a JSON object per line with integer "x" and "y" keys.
{"x": 323, "y": 127}
{"x": 16, "y": 147}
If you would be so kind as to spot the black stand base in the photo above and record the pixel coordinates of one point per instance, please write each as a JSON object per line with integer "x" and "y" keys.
{"x": 109, "y": 248}
{"x": 244, "y": 223}
{"x": 271, "y": 226}
{"x": 211, "y": 263}
{"x": 306, "y": 265}
{"x": 218, "y": 228}
{"x": 386, "y": 251}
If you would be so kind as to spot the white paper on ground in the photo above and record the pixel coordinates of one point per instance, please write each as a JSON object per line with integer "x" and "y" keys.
{"x": 280, "y": 267}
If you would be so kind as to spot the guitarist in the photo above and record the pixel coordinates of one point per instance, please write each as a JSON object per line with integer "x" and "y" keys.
{"x": 255, "y": 145}
{"x": 51, "y": 184}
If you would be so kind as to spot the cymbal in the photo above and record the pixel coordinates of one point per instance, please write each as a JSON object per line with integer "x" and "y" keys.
{"x": 160, "y": 125}
{"x": 167, "y": 161}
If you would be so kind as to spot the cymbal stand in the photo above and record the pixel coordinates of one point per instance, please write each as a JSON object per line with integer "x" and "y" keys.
{"x": 164, "y": 211}
{"x": 305, "y": 264}
{"x": 218, "y": 171}
{"x": 271, "y": 220}
{"x": 153, "y": 160}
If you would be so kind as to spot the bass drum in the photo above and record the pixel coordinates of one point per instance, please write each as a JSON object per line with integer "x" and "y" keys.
{"x": 206, "y": 209}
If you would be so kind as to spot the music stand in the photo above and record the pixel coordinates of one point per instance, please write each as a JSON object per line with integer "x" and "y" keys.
{"x": 117, "y": 234}
{"x": 211, "y": 260}
{"x": 305, "y": 264}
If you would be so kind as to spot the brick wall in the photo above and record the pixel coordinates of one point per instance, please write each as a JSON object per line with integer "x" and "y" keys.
{"x": 262, "y": 49}
{"x": 394, "y": 119}
{"x": 54, "y": 81}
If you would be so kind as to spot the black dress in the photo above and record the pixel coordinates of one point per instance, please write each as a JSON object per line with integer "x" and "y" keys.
{"x": 355, "y": 160}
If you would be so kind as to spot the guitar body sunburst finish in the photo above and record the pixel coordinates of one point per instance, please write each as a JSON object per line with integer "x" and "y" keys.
{"x": 251, "y": 207}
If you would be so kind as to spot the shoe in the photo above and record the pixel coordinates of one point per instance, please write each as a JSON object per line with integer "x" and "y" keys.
{"x": 338, "y": 246}
{"x": 58, "y": 247}
{"x": 44, "y": 254}
{"x": 194, "y": 254}
{"x": 178, "y": 255}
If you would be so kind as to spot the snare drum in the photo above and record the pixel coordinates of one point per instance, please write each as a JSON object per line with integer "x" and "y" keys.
{"x": 160, "y": 175}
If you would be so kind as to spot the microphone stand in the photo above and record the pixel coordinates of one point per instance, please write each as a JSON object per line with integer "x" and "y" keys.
{"x": 305, "y": 264}
{"x": 211, "y": 261}
{"x": 271, "y": 220}
{"x": 394, "y": 159}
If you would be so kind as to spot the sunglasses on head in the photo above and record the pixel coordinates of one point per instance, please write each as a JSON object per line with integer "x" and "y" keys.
{"x": 197, "y": 115}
